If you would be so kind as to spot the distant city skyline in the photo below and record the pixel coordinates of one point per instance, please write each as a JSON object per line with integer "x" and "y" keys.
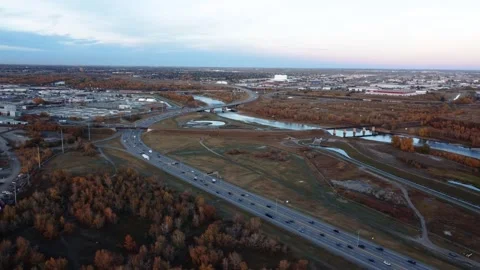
{"x": 422, "y": 34}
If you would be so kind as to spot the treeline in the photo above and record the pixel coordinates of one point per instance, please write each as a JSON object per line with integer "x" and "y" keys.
{"x": 123, "y": 83}
{"x": 184, "y": 231}
{"x": 186, "y": 100}
{"x": 82, "y": 81}
{"x": 456, "y": 129}
{"x": 386, "y": 115}
{"x": 226, "y": 96}
{"x": 406, "y": 144}
{"x": 468, "y": 161}
{"x": 33, "y": 79}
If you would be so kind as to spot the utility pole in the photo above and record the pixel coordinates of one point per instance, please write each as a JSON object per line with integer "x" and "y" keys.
{"x": 38, "y": 151}
{"x": 358, "y": 237}
{"x": 89, "y": 131}
{"x": 61, "y": 134}
{"x": 15, "y": 191}
{"x": 276, "y": 206}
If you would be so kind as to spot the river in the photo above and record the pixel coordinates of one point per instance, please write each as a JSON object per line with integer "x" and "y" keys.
{"x": 439, "y": 145}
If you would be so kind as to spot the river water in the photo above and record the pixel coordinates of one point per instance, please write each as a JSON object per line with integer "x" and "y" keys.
{"x": 439, "y": 145}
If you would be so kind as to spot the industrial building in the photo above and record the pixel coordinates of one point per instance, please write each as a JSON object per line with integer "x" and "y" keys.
{"x": 9, "y": 110}
{"x": 397, "y": 92}
{"x": 11, "y": 121}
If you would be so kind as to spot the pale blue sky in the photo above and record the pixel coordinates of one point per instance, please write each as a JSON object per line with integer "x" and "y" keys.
{"x": 264, "y": 33}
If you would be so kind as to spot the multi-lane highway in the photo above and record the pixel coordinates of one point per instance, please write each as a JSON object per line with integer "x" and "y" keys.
{"x": 349, "y": 246}
{"x": 360, "y": 251}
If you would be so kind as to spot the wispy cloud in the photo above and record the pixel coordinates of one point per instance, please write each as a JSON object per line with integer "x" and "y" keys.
{"x": 19, "y": 48}
{"x": 402, "y": 32}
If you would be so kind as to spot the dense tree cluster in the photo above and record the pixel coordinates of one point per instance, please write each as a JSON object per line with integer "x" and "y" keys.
{"x": 187, "y": 100}
{"x": 225, "y": 96}
{"x": 436, "y": 120}
{"x": 21, "y": 255}
{"x": 468, "y": 161}
{"x": 386, "y": 115}
{"x": 403, "y": 143}
{"x": 456, "y": 129}
{"x": 82, "y": 81}
{"x": 29, "y": 157}
{"x": 183, "y": 230}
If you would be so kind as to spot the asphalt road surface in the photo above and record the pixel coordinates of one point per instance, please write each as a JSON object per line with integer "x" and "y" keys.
{"x": 14, "y": 167}
{"x": 344, "y": 244}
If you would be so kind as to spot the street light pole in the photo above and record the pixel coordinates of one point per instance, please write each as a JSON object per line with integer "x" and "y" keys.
{"x": 38, "y": 151}
{"x": 61, "y": 134}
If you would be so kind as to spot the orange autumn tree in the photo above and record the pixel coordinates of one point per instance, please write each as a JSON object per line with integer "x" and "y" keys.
{"x": 129, "y": 244}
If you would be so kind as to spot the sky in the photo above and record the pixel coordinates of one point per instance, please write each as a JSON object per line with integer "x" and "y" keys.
{"x": 421, "y": 34}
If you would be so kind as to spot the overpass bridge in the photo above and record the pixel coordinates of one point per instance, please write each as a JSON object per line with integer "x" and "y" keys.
{"x": 354, "y": 131}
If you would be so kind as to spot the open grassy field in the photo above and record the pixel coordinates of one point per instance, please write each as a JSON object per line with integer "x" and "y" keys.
{"x": 78, "y": 164}
{"x": 291, "y": 179}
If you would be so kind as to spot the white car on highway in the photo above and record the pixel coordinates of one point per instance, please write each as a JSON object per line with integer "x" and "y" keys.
{"x": 387, "y": 263}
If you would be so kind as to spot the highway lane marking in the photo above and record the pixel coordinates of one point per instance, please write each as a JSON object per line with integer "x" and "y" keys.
{"x": 314, "y": 230}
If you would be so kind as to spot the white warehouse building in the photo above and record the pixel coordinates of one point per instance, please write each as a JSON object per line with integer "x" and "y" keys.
{"x": 280, "y": 78}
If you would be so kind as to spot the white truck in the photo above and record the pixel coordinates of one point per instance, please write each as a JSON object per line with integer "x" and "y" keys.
{"x": 145, "y": 156}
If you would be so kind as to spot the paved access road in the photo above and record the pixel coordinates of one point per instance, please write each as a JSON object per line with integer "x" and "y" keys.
{"x": 342, "y": 155}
